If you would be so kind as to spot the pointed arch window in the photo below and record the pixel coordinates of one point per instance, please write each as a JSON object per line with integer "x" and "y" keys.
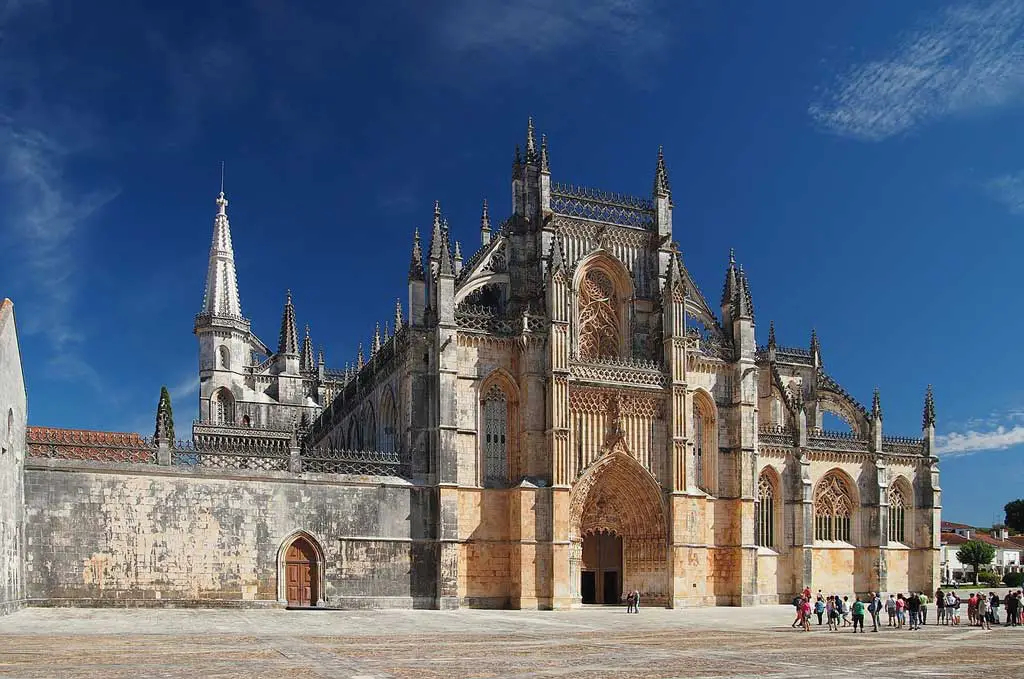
{"x": 599, "y": 323}
{"x": 389, "y": 423}
{"x": 224, "y": 357}
{"x": 223, "y": 407}
{"x": 833, "y": 509}
{"x": 495, "y": 438}
{"x": 766, "y": 510}
{"x": 705, "y": 441}
{"x": 897, "y": 514}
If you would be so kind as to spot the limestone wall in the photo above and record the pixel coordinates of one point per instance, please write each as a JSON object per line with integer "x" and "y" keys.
{"x": 120, "y": 535}
{"x": 12, "y": 456}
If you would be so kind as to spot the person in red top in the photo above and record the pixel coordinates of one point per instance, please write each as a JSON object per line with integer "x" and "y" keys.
{"x": 806, "y": 610}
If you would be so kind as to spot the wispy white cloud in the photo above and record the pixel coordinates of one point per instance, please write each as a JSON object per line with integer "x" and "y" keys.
{"x": 967, "y": 58}
{"x": 542, "y": 27}
{"x": 1008, "y": 190}
{"x": 963, "y": 443}
{"x": 994, "y": 431}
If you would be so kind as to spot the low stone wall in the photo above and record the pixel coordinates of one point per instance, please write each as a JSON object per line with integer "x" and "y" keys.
{"x": 135, "y": 535}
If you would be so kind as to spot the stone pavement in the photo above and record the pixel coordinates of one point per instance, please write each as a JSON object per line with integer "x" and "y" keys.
{"x": 594, "y": 642}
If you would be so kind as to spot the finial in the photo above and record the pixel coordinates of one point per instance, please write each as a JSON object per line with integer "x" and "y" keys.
{"x": 545, "y": 165}
{"x": 876, "y": 405}
{"x": 531, "y": 141}
{"x": 732, "y": 257}
{"x": 320, "y": 356}
{"x": 815, "y": 345}
{"x": 359, "y": 357}
{"x": 929, "y": 408}
{"x": 458, "y": 250}
{"x": 416, "y": 260}
{"x": 375, "y": 347}
{"x": 485, "y": 226}
{"x": 398, "y": 315}
{"x": 288, "y": 294}
{"x": 771, "y": 334}
{"x": 661, "y": 184}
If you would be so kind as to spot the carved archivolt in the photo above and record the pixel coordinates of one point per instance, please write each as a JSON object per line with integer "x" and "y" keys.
{"x": 598, "y": 314}
{"x": 617, "y": 494}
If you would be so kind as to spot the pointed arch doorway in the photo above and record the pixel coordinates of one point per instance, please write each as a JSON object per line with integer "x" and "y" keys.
{"x": 618, "y": 533}
{"x": 301, "y": 572}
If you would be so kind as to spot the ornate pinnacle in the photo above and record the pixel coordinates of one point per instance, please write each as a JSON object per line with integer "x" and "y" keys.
{"x": 929, "y": 408}
{"x": 531, "y": 142}
{"x": 436, "y": 234}
{"x": 771, "y": 334}
{"x": 416, "y": 261}
{"x": 815, "y": 346}
{"x": 485, "y": 226}
{"x": 375, "y": 347}
{"x": 661, "y": 185}
{"x": 876, "y": 406}
{"x": 545, "y": 165}
{"x": 348, "y": 371}
{"x": 745, "y": 302}
{"x": 458, "y": 252}
{"x": 446, "y": 267}
{"x": 730, "y": 286}
{"x": 306, "y": 359}
{"x": 320, "y": 356}
{"x": 288, "y": 341}
{"x": 398, "y": 315}
{"x": 359, "y": 357}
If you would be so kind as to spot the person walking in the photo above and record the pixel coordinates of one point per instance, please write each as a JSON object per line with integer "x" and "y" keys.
{"x": 858, "y": 615}
{"x": 807, "y": 615}
{"x": 953, "y": 608}
{"x": 798, "y": 604}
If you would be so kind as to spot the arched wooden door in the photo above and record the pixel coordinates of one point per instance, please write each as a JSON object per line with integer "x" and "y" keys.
{"x": 301, "y": 573}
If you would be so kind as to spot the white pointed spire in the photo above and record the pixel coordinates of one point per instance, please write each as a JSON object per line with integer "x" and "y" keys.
{"x": 221, "y": 295}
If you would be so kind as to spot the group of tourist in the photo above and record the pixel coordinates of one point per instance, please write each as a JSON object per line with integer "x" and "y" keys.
{"x": 982, "y": 609}
{"x": 905, "y": 611}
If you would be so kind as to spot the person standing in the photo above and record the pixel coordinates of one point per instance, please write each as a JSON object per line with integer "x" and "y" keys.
{"x": 807, "y": 615}
{"x": 914, "y": 608}
{"x": 833, "y": 616}
{"x": 873, "y": 608}
{"x": 629, "y": 602}
{"x": 819, "y": 608}
{"x": 924, "y": 607}
{"x": 940, "y": 607}
{"x": 1012, "y": 604}
{"x": 901, "y": 611}
{"x": 982, "y": 608}
{"x": 636, "y": 601}
{"x": 858, "y": 615}
{"x": 890, "y": 609}
{"x": 993, "y": 604}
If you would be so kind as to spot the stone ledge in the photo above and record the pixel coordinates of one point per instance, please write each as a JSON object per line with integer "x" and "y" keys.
{"x": 153, "y": 603}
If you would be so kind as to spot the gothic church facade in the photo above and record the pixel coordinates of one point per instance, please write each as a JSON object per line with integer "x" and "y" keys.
{"x": 585, "y": 422}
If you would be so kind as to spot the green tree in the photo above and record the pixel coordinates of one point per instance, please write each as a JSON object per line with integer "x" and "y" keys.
{"x": 163, "y": 407}
{"x": 1015, "y": 515}
{"x": 977, "y": 554}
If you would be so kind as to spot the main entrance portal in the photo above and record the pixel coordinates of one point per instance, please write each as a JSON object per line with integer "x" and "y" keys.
{"x": 601, "y": 570}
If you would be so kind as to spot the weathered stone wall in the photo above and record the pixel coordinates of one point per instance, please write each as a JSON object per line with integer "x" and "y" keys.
{"x": 101, "y": 534}
{"x": 12, "y": 457}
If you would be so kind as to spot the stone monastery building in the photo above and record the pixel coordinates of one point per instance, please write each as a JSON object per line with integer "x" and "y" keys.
{"x": 557, "y": 419}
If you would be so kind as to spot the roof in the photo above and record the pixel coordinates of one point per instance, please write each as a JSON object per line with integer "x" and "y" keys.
{"x": 86, "y": 444}
{"x": 953, "y": 539}
{"x": 951, "y": 526}
{"x": 995, "y": 542}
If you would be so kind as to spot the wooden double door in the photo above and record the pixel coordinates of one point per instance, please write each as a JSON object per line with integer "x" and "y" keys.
{"x": 301, "y": 573}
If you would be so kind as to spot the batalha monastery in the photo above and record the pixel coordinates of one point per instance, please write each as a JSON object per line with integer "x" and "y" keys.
{"x": 556, "y": 420}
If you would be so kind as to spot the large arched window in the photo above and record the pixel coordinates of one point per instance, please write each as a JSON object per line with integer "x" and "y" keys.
{"x": 833, "y": 509}
{"x": 766, "y": 510}
{"x": 898, "y": 503}
{"x": 223, "y": 406}
{"x": 495, "y": 437}
{"x": 599, "y": 322}
{"x": 388, "y": 423}
{"x": 368, "y": 428}
{"x": 705, "y": 440}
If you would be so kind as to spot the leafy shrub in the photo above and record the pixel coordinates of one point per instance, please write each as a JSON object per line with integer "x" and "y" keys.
{"x": 990, "y": 578}
{"x": 1014, "y": 579}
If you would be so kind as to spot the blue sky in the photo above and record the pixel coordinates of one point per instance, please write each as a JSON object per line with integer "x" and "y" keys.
{"x": 864, "y": 159}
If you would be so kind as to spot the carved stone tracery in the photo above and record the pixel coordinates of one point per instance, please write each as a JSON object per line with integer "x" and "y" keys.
{"x": 599, "y": 321}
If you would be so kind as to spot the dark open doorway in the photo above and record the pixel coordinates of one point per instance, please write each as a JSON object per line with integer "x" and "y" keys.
{"x": 601, "y": 576}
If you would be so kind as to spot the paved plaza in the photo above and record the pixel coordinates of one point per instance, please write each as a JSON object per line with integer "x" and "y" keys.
{"x": 594, "y": 642}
